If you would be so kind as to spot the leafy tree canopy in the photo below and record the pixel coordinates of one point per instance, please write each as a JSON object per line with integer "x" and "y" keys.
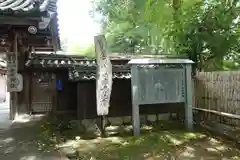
{"x": 205, "y": 30}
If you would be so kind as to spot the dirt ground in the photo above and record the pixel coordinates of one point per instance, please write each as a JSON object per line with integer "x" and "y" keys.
{"x": 160, "y": 145}
{"x": 17, "y": 143}
{"x": 155, "y": 143}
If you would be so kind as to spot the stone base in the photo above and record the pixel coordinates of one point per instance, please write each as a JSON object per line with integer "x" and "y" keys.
{"x": 91, "y": 125}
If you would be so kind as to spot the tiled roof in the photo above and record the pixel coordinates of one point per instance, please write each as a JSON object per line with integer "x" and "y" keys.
{"x": 68, "y": 61}
{"x": 25, "y": 6}
{"x": 46, "y": 10}
{"x": 80, "y": 67}
{"x": 85, "y": 68}
{"x": 92, "y": 76}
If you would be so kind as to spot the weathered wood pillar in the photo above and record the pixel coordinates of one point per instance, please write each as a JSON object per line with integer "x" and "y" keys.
{"x": 14, "y": 95}
{"x": 189, "y": 98}
{"x": 103, "y": 78}
{"x": 135, "y": 101}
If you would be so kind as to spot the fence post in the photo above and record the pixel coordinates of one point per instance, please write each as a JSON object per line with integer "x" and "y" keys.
{"x": 189, "y": 99}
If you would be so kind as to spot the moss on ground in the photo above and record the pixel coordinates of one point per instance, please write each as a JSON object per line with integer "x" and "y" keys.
{"x": 162, "y": 140}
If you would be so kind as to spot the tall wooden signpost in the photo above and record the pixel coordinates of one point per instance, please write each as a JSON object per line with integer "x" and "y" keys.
{"x": 104, "y": 77}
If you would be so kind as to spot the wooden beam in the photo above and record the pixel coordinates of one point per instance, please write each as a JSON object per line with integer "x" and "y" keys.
{"x": 224, "y": 114}
{"x": 8, "y": 20}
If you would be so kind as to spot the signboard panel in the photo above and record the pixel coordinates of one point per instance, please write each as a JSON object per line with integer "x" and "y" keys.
{"x": 157, "y": 81}
{"x": 159, "y": 85}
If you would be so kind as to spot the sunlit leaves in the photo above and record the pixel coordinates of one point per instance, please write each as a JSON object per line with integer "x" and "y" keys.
{"x": 201, "y": 29}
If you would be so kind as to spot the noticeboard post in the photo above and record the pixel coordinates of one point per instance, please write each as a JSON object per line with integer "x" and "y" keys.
{"x": 158, "y": 81}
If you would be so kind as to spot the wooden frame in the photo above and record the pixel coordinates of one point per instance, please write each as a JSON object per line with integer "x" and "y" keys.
{"x": 136, "y": 85}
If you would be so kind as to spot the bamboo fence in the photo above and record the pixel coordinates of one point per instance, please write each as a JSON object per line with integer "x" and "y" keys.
{"x": 217, "y": 96}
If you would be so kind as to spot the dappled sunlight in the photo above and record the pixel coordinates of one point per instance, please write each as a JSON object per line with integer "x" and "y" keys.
{"x": 146, "y": 128}
{"x": 153, "y": 156}
{"x": 214, "y": 141}
{"x": 173, "y": 140}
{"x": 211, "y": 149}
{"x": 188, "y": 152}
{"x": 28, "y": 158}
{"x": 112, "y": 130}
{"x": 9, "y": 149}
{"x": 222, "y": 148}
{"x": 155, "y": 142}
{"x": 116, "y": 140}
{"x": 5, "y": 145}
{"x": 6, "y": 140}
{"x": 21, "y": 120}
{"x": 151, "y": 145}
{"x": 68, "y": 143}
{"x": 88, "y": 146}
{"x": 235, "y": 157}
{"x": 193, "y": 135}
{"x": 24, "y": 118}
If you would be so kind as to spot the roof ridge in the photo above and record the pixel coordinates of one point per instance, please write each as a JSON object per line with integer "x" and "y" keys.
{"x": 11, "y": 6}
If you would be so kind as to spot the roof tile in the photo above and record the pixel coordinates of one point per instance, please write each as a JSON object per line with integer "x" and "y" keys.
{"x": 23, "y": 6}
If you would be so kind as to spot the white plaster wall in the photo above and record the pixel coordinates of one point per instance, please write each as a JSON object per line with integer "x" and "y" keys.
{"x": 3, "y": 89}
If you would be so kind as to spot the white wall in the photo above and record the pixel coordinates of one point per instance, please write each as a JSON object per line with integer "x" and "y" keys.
{"x": 3, "y": 89}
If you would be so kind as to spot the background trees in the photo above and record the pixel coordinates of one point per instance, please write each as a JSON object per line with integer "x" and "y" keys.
{"x": 207, "y": 31}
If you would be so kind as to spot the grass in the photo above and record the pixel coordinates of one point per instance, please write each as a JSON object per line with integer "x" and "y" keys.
{"x": 162, "y": 140}
{"x": 152, "y": 145}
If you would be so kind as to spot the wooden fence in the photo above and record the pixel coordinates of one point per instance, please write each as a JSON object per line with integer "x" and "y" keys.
{"x": 217, "y": 96}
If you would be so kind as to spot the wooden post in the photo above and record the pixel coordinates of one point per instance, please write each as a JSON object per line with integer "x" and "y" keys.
{"x": 15, "y": 51}
{"x": 188, "y": 102}
{"x": 30, "y": 92}
{"x": 135, "y": 101}
{"x": 103, "y": 78}
{"x": 14, "y": 95}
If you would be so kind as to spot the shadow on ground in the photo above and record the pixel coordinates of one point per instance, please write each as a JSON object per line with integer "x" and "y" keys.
{"x": 163, "y": 140}
{"x": 18, "y": 143}
{"x": 172, "y": 144}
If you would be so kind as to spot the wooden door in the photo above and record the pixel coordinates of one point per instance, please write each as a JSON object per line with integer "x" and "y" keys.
{"x": 43, "y": 92}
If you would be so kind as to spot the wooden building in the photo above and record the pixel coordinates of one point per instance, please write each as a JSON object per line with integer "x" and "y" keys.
{"x": 58, "y": 83}
{"x": 27, "y": 26}
{"x": 67, "y": 85}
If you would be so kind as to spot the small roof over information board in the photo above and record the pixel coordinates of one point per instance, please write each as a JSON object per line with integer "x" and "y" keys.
{"x": 160, "y": 61}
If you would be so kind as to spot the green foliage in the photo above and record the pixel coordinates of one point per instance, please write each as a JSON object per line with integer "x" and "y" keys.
{"x": 89, "y": 51}
{"x": 125, "y": 29}
{"x": 204, "y": 30}
{"x": 53, "y": 131}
